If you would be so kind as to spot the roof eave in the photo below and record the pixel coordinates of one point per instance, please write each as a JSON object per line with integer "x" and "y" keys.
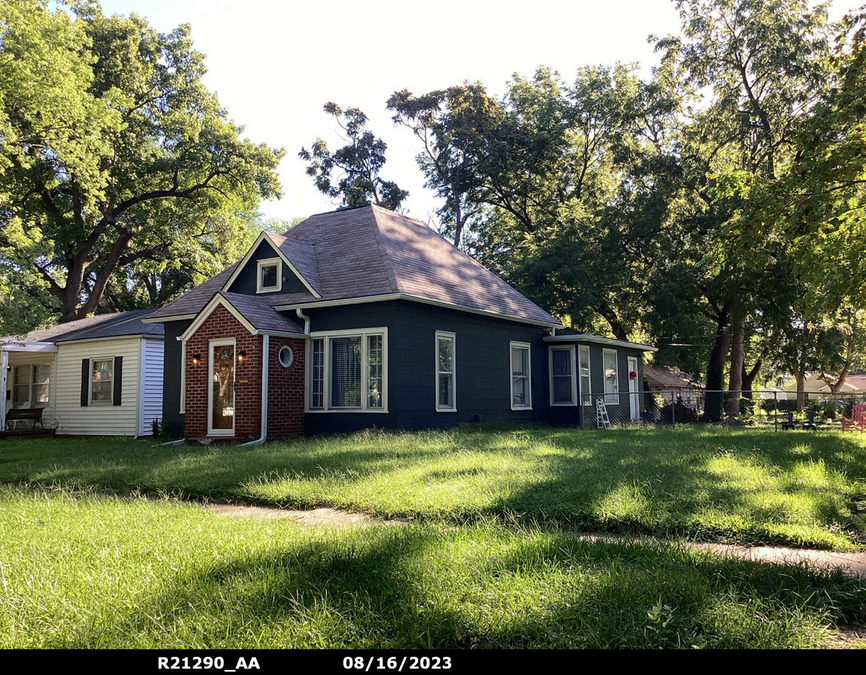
{"x": 598, "y": 339}
{"x": 415, "y": 298}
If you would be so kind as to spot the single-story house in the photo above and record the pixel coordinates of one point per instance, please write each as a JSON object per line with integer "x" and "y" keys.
{"x": 815, "y": 383}
{"x": 661, "y": 378}
{"x": 364, "y": 317}
{"x": 99, "y": 376}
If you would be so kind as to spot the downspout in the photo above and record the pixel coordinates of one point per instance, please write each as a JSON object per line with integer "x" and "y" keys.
{"x": 306, "y": 319}
{"x": 266, "y": 357}
{"x": 4, "y": 367}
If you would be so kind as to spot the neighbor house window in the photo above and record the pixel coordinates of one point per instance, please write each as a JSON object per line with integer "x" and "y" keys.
{"x": 562, "y": 380}
{"x": 521, "y": 396}
{"x": 30, "y": 386}
{"x": 446, "y": 393}
{"x": 348, "y": 371}
{"x": 611, "y": 378}
{"x": 101, "y": 381}
{"x": 583, "y": 366}
{"x": 269, "y": 277}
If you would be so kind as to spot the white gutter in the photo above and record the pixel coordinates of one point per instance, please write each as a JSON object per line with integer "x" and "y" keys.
{"x": 586, "y": 337}
{"x": 266, "y": 357}
{"x": 306, "y": 319}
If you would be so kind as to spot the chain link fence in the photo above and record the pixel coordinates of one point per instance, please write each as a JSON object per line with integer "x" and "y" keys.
{"x": 763, "y": 409}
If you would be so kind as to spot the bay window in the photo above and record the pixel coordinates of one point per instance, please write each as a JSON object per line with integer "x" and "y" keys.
{"x": 347, "y": 371}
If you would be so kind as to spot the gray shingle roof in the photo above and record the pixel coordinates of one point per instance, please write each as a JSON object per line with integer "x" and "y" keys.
{"x": 370, "y": 251}
{"x": 194, "y": 300}
{"x": 260, "y": 314}
{"x": 120, "y": 324}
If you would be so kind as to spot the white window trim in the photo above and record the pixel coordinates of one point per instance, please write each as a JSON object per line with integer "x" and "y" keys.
{"x": 268, "y": 262}
{"x": 90, "y": 400}
{"x": 453, "y": 337}
{"x": 221, "y": 342}
{"x": 363, "y": 333}
{"x": 574, "y": 374}
{"x": 612, "y": 394}
{"x": 32, "y": 366}
{"x": 585, "y": 396}
{"x": 528, "y": 348}
{"x": 182, "y": 410}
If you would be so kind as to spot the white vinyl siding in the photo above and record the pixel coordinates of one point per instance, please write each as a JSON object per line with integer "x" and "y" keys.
{"x": 96, "y": 420}
{"x": 151, "y": 407}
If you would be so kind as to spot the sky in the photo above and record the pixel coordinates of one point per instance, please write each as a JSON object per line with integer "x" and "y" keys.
{"x": 274, "y": 64}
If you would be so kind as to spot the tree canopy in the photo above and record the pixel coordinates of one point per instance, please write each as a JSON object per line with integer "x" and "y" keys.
{"x": 116, "y": 162}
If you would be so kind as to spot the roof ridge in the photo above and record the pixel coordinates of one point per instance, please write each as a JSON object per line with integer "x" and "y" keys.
{"x": 384, "y": 253}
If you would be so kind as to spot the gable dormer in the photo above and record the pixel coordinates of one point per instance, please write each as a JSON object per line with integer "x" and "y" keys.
{"x": 265, "y": 269}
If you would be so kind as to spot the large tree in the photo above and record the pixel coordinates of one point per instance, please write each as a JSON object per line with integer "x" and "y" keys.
{"x": 352, "y": 173}
{"x": 113, "y": 152}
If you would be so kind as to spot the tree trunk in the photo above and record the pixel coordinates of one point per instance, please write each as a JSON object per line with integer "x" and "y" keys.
{"x": 800, "y": 378}
{"x": 458, "y": 218}
{"x": 716, "y": 372}
{"x": 609, "y": 314}
{"x": 738, "y": 364}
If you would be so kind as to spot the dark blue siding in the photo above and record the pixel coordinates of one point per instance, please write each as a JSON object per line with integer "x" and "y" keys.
{"x": 483, "y": 375}
{"x": 172, "y": 420}
{"x": 246, "y": 281}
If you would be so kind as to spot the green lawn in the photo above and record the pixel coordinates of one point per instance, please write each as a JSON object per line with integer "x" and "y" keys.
{"x": 82, "y": 570}
{"x": 745, "y": 486}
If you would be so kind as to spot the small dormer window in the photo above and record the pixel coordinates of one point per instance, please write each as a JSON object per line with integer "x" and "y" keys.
{"x": 269, "y": 277}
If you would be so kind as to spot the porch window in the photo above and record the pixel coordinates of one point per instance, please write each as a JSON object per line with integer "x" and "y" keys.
{"x": 562, "y": 380}
{"x": 611, "y": 378}
{"x": 446, "y": 399}
{"x": 521, "y": 396}
{"x": 583, "y": 365}
{"x": 269, "y": 277}
{"x": 347, "y": 371}
{"x": 30, "y": 386}
{"x": 101, "y": 381}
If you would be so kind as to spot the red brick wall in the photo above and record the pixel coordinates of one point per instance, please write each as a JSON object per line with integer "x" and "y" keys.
{"x": 286, "y": 390}
{"x": 248, "y": 377}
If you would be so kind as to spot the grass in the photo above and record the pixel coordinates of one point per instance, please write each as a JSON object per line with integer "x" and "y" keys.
{"x": 743, "y": 486}
{"x": 82, "y": 570}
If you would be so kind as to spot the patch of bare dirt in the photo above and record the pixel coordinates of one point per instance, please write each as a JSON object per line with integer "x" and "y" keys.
{"x": 321, "y": 517}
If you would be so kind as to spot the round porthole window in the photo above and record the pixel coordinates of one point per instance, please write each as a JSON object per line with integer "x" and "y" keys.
{"x": 286, "y": 356}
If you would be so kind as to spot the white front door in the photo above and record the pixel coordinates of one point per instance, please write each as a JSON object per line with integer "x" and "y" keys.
{"x": 633, "y": 396}
{"x": 221, "y": 388}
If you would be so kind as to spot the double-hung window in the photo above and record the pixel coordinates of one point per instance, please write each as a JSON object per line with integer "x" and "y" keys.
{"x": 101, "y": 381}
{"x": 611, "y": 377}
{"x": 446, "y": 359}
{"x": 521, "y": 376}
{"x": 563, "y": 384}
{"x": 347, "y": 371}
{"x": 583, "y": 367}
{"x": 268, "y": 277}
{"x": 30, "y": 386}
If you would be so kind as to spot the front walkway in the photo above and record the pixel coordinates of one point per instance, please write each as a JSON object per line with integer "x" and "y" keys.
{"x": 851, "y": 564}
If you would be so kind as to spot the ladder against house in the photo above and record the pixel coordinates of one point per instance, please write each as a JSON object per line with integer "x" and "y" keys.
{"x": 601, "y": 416}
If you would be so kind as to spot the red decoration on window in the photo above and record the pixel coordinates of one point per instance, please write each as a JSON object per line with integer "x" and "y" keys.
{"x": 632, "y": 374}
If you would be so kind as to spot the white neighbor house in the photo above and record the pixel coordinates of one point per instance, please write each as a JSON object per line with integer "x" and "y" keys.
{"x": 99, "y": 376}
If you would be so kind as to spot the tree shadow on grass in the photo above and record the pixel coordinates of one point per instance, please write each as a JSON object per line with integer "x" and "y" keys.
{"x": 739, "y": 485}
{"x": 477, "y": 588}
